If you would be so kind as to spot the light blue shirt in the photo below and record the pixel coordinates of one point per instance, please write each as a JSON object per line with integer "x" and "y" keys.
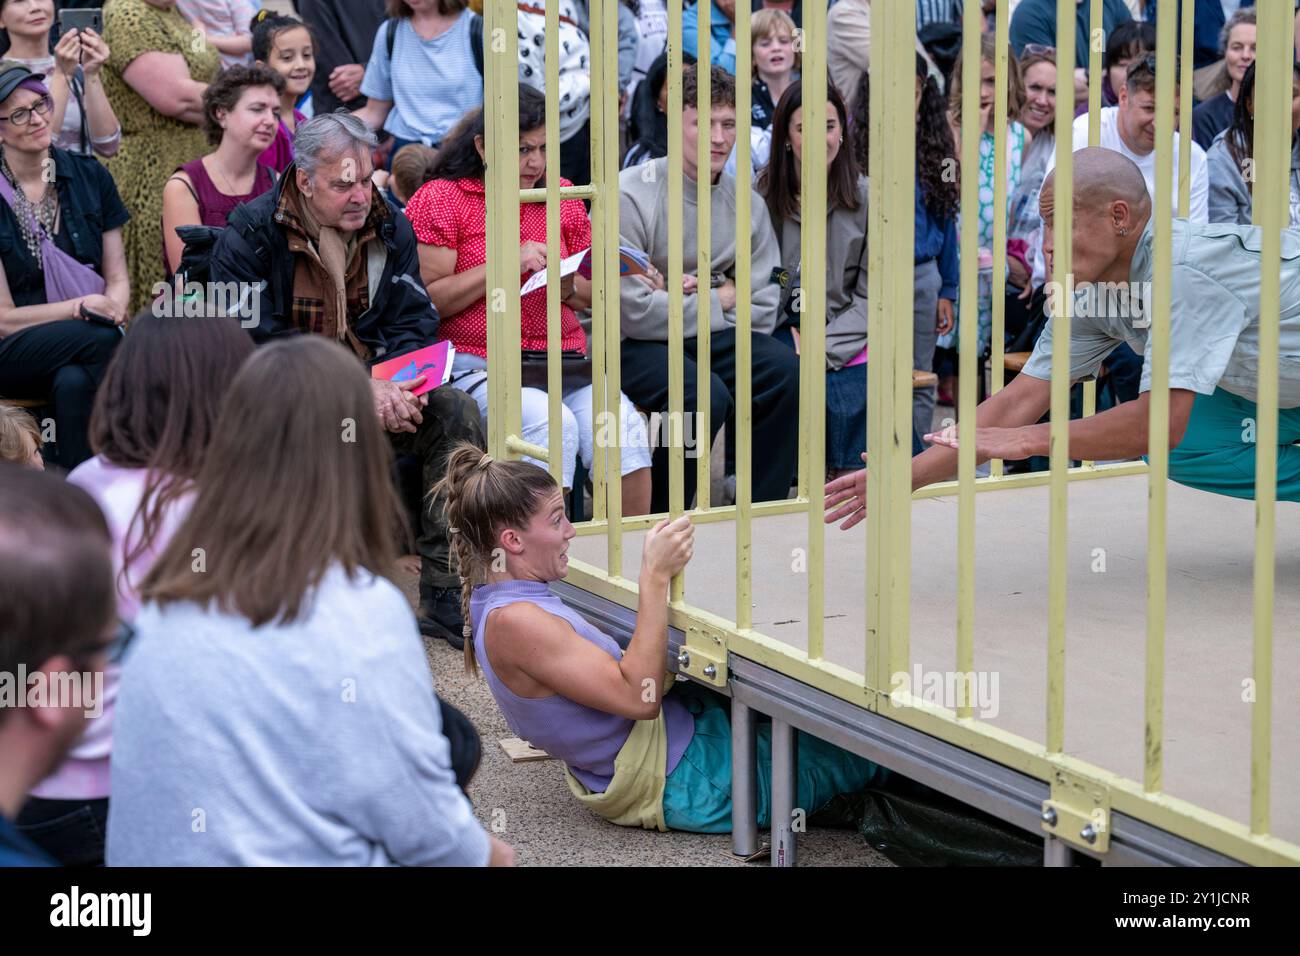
{"x": 431, "y": 83}
{"x": 1214, "y": 319}
{"x": 722, "y": 45}
{"x": 316, "y": 743}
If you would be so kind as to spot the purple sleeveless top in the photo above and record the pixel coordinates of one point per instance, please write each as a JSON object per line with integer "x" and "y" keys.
{"x": 587, "y": 740}
{"x": 214, "y": 205}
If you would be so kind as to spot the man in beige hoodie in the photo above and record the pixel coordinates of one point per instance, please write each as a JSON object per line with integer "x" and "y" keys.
{"x": 643, "y": 224}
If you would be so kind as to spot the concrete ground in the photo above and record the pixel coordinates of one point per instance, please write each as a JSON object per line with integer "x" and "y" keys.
{"x": 529, "y": 805}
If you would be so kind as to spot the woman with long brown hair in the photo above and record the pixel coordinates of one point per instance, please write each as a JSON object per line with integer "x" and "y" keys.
{"x": 634, "y": 751}
{"x": 278, "y": 671}
{"x": 846, "y": 265}
{"x": 150, "y": 430}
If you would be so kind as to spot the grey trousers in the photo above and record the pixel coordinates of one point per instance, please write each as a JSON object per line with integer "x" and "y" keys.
{"x": 925, "y": 285}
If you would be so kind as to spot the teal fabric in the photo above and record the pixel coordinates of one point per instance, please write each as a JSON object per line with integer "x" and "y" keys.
{"x": 697, "y": 794}
{"x": 1217, "y": 452}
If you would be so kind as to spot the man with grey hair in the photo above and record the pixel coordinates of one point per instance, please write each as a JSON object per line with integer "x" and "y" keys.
{"x": 331, "y": 257}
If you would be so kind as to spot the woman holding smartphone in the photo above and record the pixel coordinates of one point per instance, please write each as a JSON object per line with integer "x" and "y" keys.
{"x": 83, "y": 118}
{"x": 61, "y": 263}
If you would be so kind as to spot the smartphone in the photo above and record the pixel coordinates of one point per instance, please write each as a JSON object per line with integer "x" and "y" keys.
{"x": 81, "y": 20}
{"x": 97, "y": 318}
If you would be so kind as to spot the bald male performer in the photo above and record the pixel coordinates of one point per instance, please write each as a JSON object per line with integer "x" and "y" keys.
{"x": 1214, "y": 346}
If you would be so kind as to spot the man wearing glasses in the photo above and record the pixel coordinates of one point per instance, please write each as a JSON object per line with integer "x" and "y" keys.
{"x": 57, "y": 617}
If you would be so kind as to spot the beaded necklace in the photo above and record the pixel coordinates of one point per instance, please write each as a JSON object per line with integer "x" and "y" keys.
{"x": 29, "y": 214}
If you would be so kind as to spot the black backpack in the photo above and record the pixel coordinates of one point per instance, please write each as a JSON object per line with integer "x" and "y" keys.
{"x": 196, "y": 261}
{"x": 200, "y": 241}
{"x": 475, "y": 39}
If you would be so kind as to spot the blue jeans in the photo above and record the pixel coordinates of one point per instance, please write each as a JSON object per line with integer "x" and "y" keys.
{"x": 846, "y": 411}
{"x": 697, "y": 794}
{"x": 71, "y": 831}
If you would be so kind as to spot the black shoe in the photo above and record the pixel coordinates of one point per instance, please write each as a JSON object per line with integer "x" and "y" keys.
{"x": 440, "y": 615}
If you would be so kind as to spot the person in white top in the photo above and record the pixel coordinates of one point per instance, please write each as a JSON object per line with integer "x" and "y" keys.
{"x": 1130, "y": 129}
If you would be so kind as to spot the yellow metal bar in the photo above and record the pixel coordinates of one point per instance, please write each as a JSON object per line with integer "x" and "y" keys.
{"x": 676, "y": 396}
{"x": 997, "y": 343}
{"x": 1058, "y": 523}
{"x": 585, "y": 191}
{"x": 1187, "y": 44}
{"x": 890, "y": 247}
{"x": 876, "y": 664}
{"x": 602, "y": 478}
{"x": 1096, "y": 46}
{"x": 605, "y": 271}
{"x": 744, "y": 414}
{"x": 941, "y": 489}
{"x": 719, "y": 513}
{"x": 554, "y": 417}
{"x": 704, "y": 251}
{"x": 1271, "y": 209}
{"x": 525, "y": 449}
{"x": 501, "y": 115}
{"x": 812, "y": 285}
{"x": 972, "y": 134}
{"x": 1158, "y": 419}
{"x": 1180, "y": 817}
{"x": 946, "y": 489}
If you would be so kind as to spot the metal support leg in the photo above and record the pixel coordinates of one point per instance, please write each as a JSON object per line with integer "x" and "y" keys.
{"x": 1056, "y": 852}
{"x": 784, "y": 773}
{"x": 744, "y": 782}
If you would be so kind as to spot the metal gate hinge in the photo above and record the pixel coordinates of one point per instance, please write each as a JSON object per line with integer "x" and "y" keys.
{"x": 703, "y": 656}
{"x": 1078, "y": 811}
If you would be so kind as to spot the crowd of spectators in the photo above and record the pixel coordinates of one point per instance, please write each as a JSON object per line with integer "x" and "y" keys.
{"x": 331, "y": 166}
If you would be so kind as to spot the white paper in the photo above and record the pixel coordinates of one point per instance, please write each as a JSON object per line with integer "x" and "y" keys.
{"x": 568, "y": 266}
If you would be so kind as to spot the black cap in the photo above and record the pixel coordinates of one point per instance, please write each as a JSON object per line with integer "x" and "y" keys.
{"x": 12, "y": 75}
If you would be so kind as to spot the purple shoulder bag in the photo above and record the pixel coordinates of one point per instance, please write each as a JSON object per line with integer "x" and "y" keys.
{"x": 65, "y": 277}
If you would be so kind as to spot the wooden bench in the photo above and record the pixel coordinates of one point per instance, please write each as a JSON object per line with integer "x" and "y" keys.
{"x": 1015, "y": 361}
{"x": 922, "y": 379}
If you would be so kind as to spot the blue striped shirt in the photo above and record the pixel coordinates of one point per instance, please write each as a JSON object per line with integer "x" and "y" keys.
{"x": 431, "y": 83}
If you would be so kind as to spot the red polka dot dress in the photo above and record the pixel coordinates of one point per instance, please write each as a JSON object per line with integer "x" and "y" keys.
{"x": 452, "y": 214}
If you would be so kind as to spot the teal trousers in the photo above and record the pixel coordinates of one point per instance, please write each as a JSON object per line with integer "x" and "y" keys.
{"x": 1217, "y": 452}
{"x": 697, "y": 794}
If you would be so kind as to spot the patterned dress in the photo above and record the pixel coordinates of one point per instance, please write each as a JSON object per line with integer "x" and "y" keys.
{"x": 153, "y": 145}
{"x": 1015, "y": 157}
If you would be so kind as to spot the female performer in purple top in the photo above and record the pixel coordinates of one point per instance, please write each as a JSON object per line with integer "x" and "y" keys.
{"x": 567, "y": 687}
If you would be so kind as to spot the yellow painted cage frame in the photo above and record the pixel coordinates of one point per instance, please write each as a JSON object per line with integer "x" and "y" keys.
{"x": 887, "y": 584}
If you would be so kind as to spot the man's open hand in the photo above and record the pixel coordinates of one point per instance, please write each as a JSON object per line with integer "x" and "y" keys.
{"x": 1006, "y": 443}
{"x": 846, "y": 497}
{"x": 397, "y": 408}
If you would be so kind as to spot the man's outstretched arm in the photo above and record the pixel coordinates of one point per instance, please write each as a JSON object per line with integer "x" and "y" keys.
{"x": 1119, "y": 432}
{"x": 1006, "y": 427}
{"x": 1021, "y": 403}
